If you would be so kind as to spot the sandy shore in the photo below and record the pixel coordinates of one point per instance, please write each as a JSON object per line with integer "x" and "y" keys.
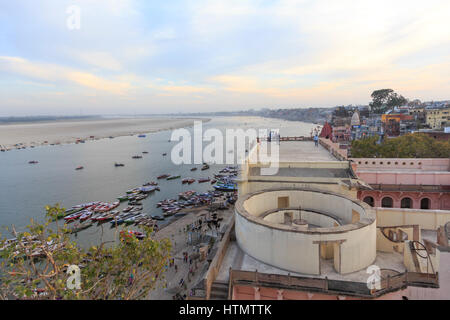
{"x": 62, "y": 132}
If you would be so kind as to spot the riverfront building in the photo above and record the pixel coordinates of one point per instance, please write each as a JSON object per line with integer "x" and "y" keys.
{"x": 306, "y": 233}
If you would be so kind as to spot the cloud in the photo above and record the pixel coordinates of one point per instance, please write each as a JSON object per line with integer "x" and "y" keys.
{"x": 225, "y": 53}
{"x": 60, "y": 74}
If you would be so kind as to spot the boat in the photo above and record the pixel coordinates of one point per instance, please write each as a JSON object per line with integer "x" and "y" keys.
{"x": 163, "y": 176}
{"x": 135, "y": 190}
{"x": 136, "y": 157}
{"x": 213, "y": 181}
{"x": 146, "y": 191}
{"x": 79, "y": 168}
{"x": 33, "y": 162}
{"x": 123, "y": 198}
{"x": 173, "y": 177}
{"x": 119, "y": 164}
{"x": 204, "y": 180}
{"x": 74, "y": 216}
{"x": 151, "y": 183}
{"x": 128, "y": 209}
{"x": 193, "y": 169}
{"x": 145, "y": 152}
{"x": 164, "y": 154}
{"x": 156, "y": 217}
{"x": 225, "y": 187}
{"x": 86, "y": 215}
{"x": 81, "y": 226}
{"x": 205, "y": 167}
{"x": 104, "y": 217}
{"x": 141, "y": 136}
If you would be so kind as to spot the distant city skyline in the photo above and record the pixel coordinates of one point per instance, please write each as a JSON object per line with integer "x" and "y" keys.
{"x": 154, "y": 57}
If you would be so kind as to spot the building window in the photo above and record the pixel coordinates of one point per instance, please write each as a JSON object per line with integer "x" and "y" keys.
{"x": 406, "y": 203}
{"x": 369, "y": 201}
{"x": 387, "y": 202}
{"x": 425, "y": 204}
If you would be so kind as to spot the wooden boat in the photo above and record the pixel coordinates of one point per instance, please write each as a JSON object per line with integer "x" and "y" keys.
{"x": 213, "y": 181}
{"x": 193, "y": 169}
{"x": 128, "y": 209}
{"x": 74, "y": 216}
{"x": 79, "y": 168}
{"x": 225, "y": 187}
{"x": 173, "y": 177}
{"x": 204, "y": 180}
{"x": 163, "y": 176}
{"x": 86, "y": 215}
{"x": 205, "y": 167}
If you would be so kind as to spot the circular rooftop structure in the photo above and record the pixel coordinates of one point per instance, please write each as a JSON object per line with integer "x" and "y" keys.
{"x": 297, "y": 229}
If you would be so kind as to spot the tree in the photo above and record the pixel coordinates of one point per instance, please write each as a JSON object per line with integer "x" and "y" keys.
{"x": 415, "y": 145}
{"x": 34, "y": 265}
{"x": 385, "y": 99}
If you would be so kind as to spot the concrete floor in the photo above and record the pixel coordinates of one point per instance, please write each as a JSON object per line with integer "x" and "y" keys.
{"x": 295, "y": 151}
{"x": 239, "y": 260}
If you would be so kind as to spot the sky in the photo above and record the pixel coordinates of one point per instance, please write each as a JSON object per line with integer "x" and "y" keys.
{"x": 148, "y": 56}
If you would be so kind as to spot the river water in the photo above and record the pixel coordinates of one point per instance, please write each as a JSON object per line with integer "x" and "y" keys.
{"x": 26, "y": 189}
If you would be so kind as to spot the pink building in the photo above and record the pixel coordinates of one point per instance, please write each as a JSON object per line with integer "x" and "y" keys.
{"x": 405, "y": 183}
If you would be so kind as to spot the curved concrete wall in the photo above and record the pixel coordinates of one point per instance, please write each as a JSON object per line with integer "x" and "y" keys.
{"x": 297, "y": 249}
{"x": 333, "y": 204}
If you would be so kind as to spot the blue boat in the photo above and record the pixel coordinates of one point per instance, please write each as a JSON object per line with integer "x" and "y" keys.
{"x": 226, "y": 187}
{"x": 141, "y": 136}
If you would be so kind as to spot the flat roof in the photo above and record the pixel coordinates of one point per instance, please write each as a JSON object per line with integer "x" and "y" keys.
{"x": 298, "y": 151}
{"x": 237, "y": 259}
{"x": 307, "y": 172}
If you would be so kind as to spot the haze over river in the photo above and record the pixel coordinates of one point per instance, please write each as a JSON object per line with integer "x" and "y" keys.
{"x": 25, "y": 189}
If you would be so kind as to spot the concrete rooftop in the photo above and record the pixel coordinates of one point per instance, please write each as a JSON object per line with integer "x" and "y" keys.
{"x": 239, "y": 260}
{"x": 297, "y": 151}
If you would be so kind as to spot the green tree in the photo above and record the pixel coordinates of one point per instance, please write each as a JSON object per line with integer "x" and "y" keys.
{"x": 385, "y": 99}
{"x": 417, "y": 145}
{"x": 34, "y": 265}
